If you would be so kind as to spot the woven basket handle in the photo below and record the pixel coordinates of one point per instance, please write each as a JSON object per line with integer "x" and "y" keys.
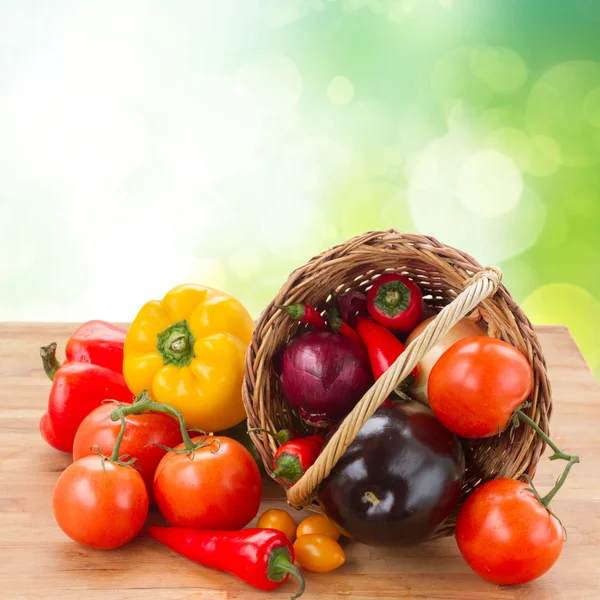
{"x": 481, "y": 285}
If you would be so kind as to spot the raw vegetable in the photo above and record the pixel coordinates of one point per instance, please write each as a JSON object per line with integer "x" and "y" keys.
{"x": 320, "y": 524}
{"x": 477, "y": 384}
{"x": 399, "y": 479}
{"x": 396, "y": 302}
{"x": 188, "y": 350}
{"x": 208, "y": 482}
{"x": 383, "y": 347}
{"x": 305, "y": 314}
{"x": 240, "y": 434}
{"x": 91, "y": 373}
{"x": 506, "y": 535}
{"x": 263, "y": 558}
{"x": 293, "y": 458}
{"x": 98, "y": 432}
{"x": 101, "y": 501}
{"x": 319, "y": 553}
{"x": 341, "y": 327}
{"x": 464, "y": 328}
{"x": 351, "y": 304}
{"x": 280, "y": 520}
{"x": 323, "y": 376}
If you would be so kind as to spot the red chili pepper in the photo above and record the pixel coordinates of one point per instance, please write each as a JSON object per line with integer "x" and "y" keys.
{"x": 305, "y": 314}
{"x": 263, "y": 558}
{"x": 293, "y": 459}
{"x": 382, "y": 346}
{"x": 91, "y": 374}
{"x": 396, "y": 302}
{"x": 341, "y": 327}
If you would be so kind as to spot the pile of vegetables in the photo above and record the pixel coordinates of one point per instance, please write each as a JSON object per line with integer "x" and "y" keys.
{"x": 154, "y": 415}
{"x": 401, "y": 477}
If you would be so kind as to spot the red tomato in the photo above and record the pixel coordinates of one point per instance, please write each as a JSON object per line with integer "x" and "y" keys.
{"x": 218, "y": 486}
{"x": 141, "y": 433}
{"x": 476, "y": 385}
{"x": 99, "y": 503}
{"x": 506, "y": 535}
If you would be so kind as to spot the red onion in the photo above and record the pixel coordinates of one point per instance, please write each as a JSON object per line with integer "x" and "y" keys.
{"x": 323, "y": 376}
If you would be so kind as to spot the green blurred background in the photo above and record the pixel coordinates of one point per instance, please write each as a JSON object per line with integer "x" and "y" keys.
{"x": 143, "y": 144}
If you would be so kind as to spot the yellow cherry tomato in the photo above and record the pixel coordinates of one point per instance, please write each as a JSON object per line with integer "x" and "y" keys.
{"x": 188, "y": 350}
{"x": 280, "y": 520}
{"x": 318, "y": 553}
{"x": 318, "y": 524}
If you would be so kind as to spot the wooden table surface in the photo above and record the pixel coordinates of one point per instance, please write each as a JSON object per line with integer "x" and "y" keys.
{"x": 38, "y": 561}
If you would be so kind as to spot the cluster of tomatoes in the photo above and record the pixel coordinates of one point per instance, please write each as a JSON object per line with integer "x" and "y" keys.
{"x": 505, "y": 531}
{"x": 101, "y": 500}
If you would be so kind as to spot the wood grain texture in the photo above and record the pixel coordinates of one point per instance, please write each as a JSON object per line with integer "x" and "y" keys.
{"x": 38, "y": 561}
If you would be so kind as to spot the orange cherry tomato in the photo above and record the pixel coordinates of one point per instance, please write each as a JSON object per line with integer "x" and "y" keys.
{"x": 280, "y": 520}
{"x": 217, "y": 486}
{"x": 318, "y": 524}
{"x": 318, "y": 553}
{"x": 476, "y": 385}
{"x": 99, "y": 503}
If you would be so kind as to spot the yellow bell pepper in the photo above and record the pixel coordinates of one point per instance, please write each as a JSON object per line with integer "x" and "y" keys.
{"x": 188, "y": 351}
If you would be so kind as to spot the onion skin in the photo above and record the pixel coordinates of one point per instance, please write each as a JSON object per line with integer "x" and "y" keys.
{"x": 464, "y": 328}
{"x": 323, "y": 375}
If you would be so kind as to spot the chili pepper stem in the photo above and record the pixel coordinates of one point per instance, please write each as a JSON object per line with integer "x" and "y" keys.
{"x": 280, "y": 565}
{"x": 295, "y": 311}
{"x": 572, "y": 459}
{"x": 281, "y": 437}
{"x": 143, "y": 402}
{"x": 49, "y": 361}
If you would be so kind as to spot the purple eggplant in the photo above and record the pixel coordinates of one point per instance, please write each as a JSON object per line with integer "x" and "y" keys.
{"x": 399, "y": 479}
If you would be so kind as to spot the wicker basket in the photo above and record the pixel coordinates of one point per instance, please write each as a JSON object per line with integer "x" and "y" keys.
{"x": 454, "y": 285}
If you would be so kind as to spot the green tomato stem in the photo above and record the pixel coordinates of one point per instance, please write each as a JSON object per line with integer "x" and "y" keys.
{"x": 114, "y": 457}
{"x": 571, "y": 459}
{"x": 143, "y": 402}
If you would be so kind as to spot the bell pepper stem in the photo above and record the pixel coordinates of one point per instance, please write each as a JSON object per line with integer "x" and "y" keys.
{"x": 49, "y": 361}
{"x": 280, "y": 565}
{"x": 572, "y": 459}
{"x": 143, "y": 402}
{"x": 176, "y": 344}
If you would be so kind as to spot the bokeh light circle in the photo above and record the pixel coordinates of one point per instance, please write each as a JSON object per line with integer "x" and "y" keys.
{"x": 434, "y": 196}
{"x": 546, "y": 156}
{"x": 562, "y": 105}
{"x": 340, "y": 90}
{"x": 511, "y": 142}
{"x": 591, "y": 107}
{"x": 273, "y": 80}
{"x": 501, "y": 69}
{"x": 560, "y": 303}
{"x": 489, "y": 184}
